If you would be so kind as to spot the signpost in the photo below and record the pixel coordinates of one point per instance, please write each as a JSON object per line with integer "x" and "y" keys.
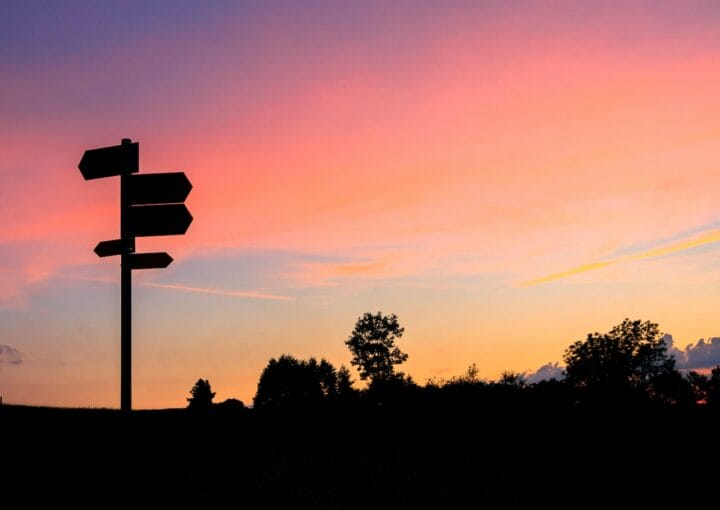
{"x": 109, "y": 248}
{"x": 158, "y": 220}
{"x": 150, "y": 205}
{"x": 150, "y": 260}
{"x": 169, "y": 188}
{"x": 110, "y": 161}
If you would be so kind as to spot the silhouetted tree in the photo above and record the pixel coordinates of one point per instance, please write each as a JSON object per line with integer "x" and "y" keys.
{"x": 698, "y": 385}
{"x": 550, "y": 393}
{"x": 231, "y": 404}
{"x": 290, "y": 382}
{"x": 629, "y": 357}
{"x": 372, "y": 344}
{"x": 464, "y": 390}
{"x": 512, "y": 379}
{"x": 713, "y": 388}
{"x": 344, "y": 386}
{"x": 469, "y": 378}
{"x": 471, "y": 374}
{"x": 201, "y": 395}
{"x": 395, "y": 389}
{"x": 670, "y": 387}
{"x": 327, "y": 375}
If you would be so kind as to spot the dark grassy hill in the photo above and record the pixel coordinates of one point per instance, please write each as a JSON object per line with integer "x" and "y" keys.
{"x": 365, "y": 457}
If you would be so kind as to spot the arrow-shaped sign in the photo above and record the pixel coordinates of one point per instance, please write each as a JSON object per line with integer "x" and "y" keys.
{"x": 109, "y": 161}
{"x": 109, "y": 248}
{"x": 165, "y": 188}
{"x": 149, "y": 260}
{"x": 150, "y": 205}
{"x": 158, "y": 220}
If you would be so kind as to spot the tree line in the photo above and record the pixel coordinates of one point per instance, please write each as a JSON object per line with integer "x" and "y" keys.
{"x": 628, "y": 365}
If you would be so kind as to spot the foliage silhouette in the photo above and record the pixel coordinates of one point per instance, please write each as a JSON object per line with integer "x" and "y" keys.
{"x": 512, "y": 379}
{"x": 287, "y": 382}
{"x": 372, "y": 344}
{"x": 396, "y": 390}
{"x": 625, "y": 361}
{"x": 628, "y": 364}
{"x": 201, "y": 395}
{"x": 698, "y": 385}
{"x": 396, "y": 442}
{"x": 344, "y": 385}
{"x": 713, "y": 388}
{"x": 469, "y": 378}
{"x": 231, "y": 404}
{"x": 671, "y": 388}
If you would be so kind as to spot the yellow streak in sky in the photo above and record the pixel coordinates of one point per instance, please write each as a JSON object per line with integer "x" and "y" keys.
{"x": 712, "y": 236}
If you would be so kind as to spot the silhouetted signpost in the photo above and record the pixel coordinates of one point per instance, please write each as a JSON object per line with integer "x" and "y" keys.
{"x": 150, "y": 205}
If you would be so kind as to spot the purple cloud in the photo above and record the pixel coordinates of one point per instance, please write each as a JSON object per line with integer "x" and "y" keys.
{"x": 10, "y": 355}
{"x": 703, "y": 354}
{"x": 545, "y": 373}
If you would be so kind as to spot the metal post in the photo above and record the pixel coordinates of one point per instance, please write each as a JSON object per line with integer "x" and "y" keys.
{"x": 128, "y": 242}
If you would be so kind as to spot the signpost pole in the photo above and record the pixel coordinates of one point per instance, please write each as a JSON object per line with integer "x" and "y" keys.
{"x": 128, "y": 242}
{"x": 150, "y": 205}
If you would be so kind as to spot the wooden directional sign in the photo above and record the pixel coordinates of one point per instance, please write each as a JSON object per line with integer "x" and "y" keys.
{"x": 158, "y": 220}
{"x": 109, "y": 248}
{"x": 165, "y": 188}
{"x": 150, "y": 205}
{"x": 109, "y": 161}
{"x": 149, "y": 260}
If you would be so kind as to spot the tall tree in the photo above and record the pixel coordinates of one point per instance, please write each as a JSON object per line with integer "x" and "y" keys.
{"x": 713, "y": 388}
{"x": 201, "y": 395}
{"x": 630, "y": 356}
{"x": 345, "y": 388}
{"x": 291, "y": 382}
{"x": 372, "y": 344}
{"x": 699, "y": 385}
{"x": 512, "y": 379}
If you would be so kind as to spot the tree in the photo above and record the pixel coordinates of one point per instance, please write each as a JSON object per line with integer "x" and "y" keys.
{"x": 672, "y": 388}
{"x": 699, "y": 385}
{"x": 713, "y": 388}
{"x": 326, "y": 375}
{"x": 201, "y": 395}
{"x": 629, "y": 357}
{"x": 291, "y": 382}
{"x": 512, "y": 379}
{"x": 372, "y": 344}
{"x": 344, "y": 386}
{"x": 469, "y": 378}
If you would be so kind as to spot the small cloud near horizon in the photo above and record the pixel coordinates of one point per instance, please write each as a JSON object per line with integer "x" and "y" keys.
{"x": 10, "y": 355}
{"x": 545, "y": 373}
{"x": 701, "y": 355}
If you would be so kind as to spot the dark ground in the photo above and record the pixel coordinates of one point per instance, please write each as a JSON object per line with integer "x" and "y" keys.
{"x": 360, "y": 458}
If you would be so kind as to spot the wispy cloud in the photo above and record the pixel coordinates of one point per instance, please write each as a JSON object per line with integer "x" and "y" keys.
{"x": 709, "y": 237}
{"x": 326, "y": 273}
{"x": 249, "y": 294}
{"x": 373, "y": 265}
{"x": 218, "y": 292}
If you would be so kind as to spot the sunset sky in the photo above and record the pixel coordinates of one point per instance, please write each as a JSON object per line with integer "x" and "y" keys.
{"x": 504, "y": 176}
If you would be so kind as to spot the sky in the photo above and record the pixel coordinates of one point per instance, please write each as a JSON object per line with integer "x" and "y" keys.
{"x": 505, "y": 176}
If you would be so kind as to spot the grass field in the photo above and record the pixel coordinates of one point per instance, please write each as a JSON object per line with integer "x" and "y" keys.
{"x": 359, "y": 458}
